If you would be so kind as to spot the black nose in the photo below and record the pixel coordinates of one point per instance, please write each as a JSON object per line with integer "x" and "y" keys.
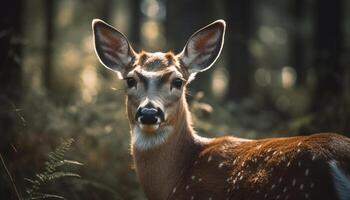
{"x": 149, "y": 114}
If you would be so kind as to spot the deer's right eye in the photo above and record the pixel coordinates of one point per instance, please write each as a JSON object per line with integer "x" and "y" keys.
{"x": 177, "y": 83}
{"x": 131, "y": 82}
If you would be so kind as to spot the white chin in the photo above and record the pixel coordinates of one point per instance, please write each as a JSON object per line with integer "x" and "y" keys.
{"x": 149, "y": 128}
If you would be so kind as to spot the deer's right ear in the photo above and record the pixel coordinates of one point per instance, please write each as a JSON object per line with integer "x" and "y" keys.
{"x": 112, "y": 48}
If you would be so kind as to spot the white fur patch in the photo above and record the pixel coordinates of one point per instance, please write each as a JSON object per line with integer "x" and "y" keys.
{"x": 144, "y": 141}
{"x": 341, "y": 181}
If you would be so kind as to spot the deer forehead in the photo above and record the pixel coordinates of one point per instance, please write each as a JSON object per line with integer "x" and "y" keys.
{"x": 156, "y": 65}
{"x": 156, "y": 61}
{"x": 149, "y": 75}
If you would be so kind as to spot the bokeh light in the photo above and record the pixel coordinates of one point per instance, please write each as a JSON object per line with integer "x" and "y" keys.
{"x": 288, "y": 77}
{"x": 262, "y": 77}
{"x": 219, "y": 83}
{"x": 89, "y": 83}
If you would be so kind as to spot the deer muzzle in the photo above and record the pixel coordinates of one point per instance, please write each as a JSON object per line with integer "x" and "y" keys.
{"x": 149, "y": 117}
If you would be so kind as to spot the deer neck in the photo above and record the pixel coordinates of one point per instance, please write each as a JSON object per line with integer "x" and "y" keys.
{"x": 159, "y": 168}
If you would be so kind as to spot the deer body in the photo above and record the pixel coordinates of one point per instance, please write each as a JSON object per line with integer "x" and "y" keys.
{"x": 173, "y": 162}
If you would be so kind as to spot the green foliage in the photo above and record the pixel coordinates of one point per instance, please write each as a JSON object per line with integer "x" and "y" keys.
{"x": 56, "y": 159}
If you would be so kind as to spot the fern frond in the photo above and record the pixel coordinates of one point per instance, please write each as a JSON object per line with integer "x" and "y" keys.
{"x": 55, "y": 160}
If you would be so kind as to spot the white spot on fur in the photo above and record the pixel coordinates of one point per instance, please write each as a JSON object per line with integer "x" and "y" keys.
{"x": 313, "y": 158}
{"x": 312, "y": 185}
{"x": 294, "y": 181}
{"x": 301, "y": 187}
{"x": 284, "y": 189}
{"x": 193, "y": 177}
{"x": 174, "y": 190}
{"x": 267, "y": 158}
{"x": 280, "y": 180}
{"x": 307, "y": 172}
{"x": 209, "y": 158}
{"x": 221, "y": 165}
{"x": 187, "y": 187}
{"x": 306, "y": 195}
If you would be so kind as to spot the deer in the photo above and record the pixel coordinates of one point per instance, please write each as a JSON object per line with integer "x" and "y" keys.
{"x": 172, "y": 161}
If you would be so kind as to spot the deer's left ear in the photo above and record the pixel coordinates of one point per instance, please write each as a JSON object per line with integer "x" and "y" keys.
{"x": 203, "y": 47}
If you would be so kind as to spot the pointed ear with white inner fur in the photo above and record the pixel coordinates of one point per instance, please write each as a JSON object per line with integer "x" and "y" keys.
{"x": 112, "y": 48}
{"x": 203, "y": 47}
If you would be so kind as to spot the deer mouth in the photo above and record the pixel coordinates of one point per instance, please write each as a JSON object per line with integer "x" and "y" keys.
{"x": 149, "y": 125}
{"x": 149, "y": 128}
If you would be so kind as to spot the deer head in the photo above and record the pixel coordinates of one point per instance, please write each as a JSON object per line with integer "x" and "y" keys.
{"x": 156, "y": 82}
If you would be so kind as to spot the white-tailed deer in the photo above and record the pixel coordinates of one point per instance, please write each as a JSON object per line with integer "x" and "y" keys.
{"x": 173, "y": 162}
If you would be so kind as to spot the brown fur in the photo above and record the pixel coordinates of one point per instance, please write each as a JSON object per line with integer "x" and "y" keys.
{"x": 278, "y": 168}
{"x": 151, "y": 63}
{"x": 189, "y": 167}
{"x": 183, "y": 165}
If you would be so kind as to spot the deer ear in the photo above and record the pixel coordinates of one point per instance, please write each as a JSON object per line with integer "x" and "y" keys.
{"x": 112, "y": 48}
{"x": 203, "y": 47}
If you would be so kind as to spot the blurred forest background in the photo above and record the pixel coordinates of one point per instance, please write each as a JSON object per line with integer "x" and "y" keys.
{"x": 284, "y": 71}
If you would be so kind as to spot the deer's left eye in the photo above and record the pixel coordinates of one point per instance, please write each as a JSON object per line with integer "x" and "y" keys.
{"x": 177, "y": 83}
{"x": 131, "y": 82}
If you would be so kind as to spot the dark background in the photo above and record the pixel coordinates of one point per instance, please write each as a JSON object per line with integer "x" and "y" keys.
{"x": 284, "y": 71}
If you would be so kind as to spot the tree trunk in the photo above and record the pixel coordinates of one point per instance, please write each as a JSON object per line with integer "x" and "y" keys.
{"x": 136, "y": 23}
{"x": 10, "y": 86}
{"x": 328, "y": 48}
{"x": 239, "y": 30}
{"x": 49, "y": 34}
{"x": 184, "y": 17}
{"x": 330, "y": 106}
{"x": 298, "y": 40}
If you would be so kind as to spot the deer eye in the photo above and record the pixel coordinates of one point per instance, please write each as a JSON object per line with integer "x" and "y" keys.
{"x": 131, "y": 82}
{"x": 177, "y": 83}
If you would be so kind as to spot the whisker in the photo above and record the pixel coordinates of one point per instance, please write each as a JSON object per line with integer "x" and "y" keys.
{"x": 118, "y": 89}
{"x": 188, "y": 93}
